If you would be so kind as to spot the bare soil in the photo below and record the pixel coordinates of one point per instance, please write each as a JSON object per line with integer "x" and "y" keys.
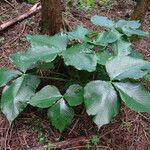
{"x": 128, "y": 131}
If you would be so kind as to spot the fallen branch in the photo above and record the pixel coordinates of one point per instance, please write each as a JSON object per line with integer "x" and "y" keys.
{"x": 64, "y": 144}
{"x": 32, "y": 11}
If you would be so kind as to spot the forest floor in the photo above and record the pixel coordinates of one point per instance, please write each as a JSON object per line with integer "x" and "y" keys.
{"x": 128, "y": 131}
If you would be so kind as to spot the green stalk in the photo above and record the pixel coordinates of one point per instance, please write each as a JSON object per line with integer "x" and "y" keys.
{"x": 53, "y": 78}
{"x": 57, "y": 73}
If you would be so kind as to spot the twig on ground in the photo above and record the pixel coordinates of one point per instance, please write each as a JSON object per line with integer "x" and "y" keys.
{"x": 6, "y": 137}
{"x": 32, "y": 11}
{"x": 3, "y": 12}
{"x": 1, "y": 21}
{"x": 10, "y": 134}
{"x": 67, "y": 24}
{"x": 64, "y": 144}
{"x": 145, "y": 117}
{"x": 75, "y": 124}
{"x": 9, "y": 3}
{"x": 70, "y": 148}
{"x": 146, "y": 136}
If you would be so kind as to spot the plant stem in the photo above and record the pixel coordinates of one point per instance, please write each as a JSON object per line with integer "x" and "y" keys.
{"x": 57, "y": 73}
{"x": 53, "y": 78}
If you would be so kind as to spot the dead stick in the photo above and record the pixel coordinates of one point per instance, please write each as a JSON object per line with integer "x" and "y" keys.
{"x": 3, "y": 12}
{"x": 63, "y": 144}
{"x": 9, "y": 3}
{"x": 33, "y": 10}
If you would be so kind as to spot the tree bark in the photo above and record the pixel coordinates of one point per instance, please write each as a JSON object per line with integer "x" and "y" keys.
{"x": 140, "y": 10}
{"x": 51, "y": 16}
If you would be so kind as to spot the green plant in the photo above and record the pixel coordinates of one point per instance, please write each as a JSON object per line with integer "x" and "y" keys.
{"x": 108, "y": 4}
{"x": 48, "y": 146}
{"x": 2, "y": 40}
{"x": 97, "y": 70}
{"x": 4, "y": 17}
{"x": 88, "y": 3}
{"x": 142, "y": 124}
{"x": 104, "y": 3}
{"x": 30, "y": 1}
{"x": 127, "y": 125}
{"x": 40, "y": 132}
{"x": 82, "y": 3}
{"x": 94, "y": 140}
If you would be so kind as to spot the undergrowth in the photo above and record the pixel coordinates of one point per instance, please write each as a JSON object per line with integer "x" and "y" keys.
{"x": 98, "y": 70}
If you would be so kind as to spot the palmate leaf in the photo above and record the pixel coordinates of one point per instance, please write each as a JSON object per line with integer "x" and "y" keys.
{"x": 108, "y": 37}
{"x": 147, "y": 76}
{"x": 81, "y": 57}
{"x": 131, "y": 28}
{"x": 43, "y": 48}
{"x": 102, "y": 21}
{"x": 134, "y": 95}
{"x": 103, "y": 56}
{"x": 46, "y": 97}
{"x": 127, "y": 67}
{"x": 57, "y": 42}
{"x": 130, "y": 31}
{"x": 122, "y": 47}
{"x": 6, "y": 75}
{"x": 101, "y": 101}
{"x": 91, "y": 38}
{"x": 134, "y": 53}
{"x": 78, "y": 33}
{"x": 74, "y": 95}
{"x": 128, "y": 24}
{"x": 15, "y": 97}
{"x": 60, "y": 115}
{"x": 128, "y": 27}
{"x": 28, "y": 59}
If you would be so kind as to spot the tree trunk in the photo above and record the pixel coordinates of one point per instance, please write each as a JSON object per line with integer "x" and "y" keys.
{"x": 140, "y": 10}
{"x": 51, "y": 16}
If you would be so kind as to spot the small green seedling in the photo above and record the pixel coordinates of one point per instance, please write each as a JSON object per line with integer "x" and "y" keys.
{"x": 126, "y": 125}
{"x": 91, "y": 142}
